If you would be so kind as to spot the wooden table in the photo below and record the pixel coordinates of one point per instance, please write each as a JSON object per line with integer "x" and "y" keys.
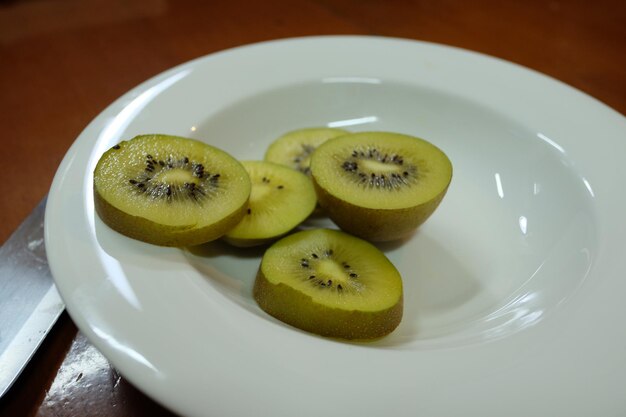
{"x": 62, "y": 62}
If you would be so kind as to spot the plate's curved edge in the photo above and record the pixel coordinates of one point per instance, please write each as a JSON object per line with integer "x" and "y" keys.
{"x": 99, "y": 122}
{"x": 429, "y": 44}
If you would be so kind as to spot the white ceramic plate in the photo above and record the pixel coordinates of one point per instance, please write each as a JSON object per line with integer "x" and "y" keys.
{"x": 514, "y": 289}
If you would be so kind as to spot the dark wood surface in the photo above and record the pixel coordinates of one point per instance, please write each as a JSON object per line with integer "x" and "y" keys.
{"x": 63, "y": 61}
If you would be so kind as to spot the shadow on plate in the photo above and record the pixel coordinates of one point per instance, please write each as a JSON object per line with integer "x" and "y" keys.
{"x": 436, "y": 284}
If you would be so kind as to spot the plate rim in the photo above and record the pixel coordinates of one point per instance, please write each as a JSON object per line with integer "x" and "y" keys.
{"x": 73, "y": 309}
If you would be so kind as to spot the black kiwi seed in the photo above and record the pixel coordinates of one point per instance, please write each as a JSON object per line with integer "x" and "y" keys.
{"x": 249, "y": 211}
{"x": 314, "y": 255}
{"x": 349, "y": 166}
{"x": 280, "y": 187}
{"x": 116, "y": 146}
{"x": 198, "y": 170}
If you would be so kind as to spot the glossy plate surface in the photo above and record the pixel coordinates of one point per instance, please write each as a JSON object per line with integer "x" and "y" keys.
{"x": 513, "y": 288}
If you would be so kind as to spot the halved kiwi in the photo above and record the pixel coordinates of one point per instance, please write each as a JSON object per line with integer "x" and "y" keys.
{"x": 379, "y": 185}
{"x": 330, "y": 283}
{"x": 294, "y": 148}
{"x": 170, "y": 190}
{"x": 280, "y": 200}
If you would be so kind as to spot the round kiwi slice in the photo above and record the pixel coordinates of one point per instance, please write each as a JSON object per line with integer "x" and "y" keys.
{"x": 330, "y": 283}
{"x": 379, "y": 185}
{"x": 280, "y": 200}
{"x": 169, "y": 190}
{"x": 294, "y": 148}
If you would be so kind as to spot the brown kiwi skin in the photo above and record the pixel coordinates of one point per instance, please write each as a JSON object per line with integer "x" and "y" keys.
{"x": 323, "y": 320}
{"x": 375, "y": 225}
{"x": 150, "y": 232}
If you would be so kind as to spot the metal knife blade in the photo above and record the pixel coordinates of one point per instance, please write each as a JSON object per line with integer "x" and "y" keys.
{"x": 29, "y": 301}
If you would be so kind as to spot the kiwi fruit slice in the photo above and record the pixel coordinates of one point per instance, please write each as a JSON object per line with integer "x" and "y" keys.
{"x": 294, "y": 148}
{"x": 281, "y": 199}
{"x": 379, "y": 185}
{"x": 330, "y": 283}
{"x": 170, "y": 190}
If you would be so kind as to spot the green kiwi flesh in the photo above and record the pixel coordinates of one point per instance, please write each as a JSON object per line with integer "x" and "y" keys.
{"x": 379, "y": 186}
{"x": 294, "y": 148}
{"x": 281, "y": 199}
{"x": 330, "y": 283}
{"x": 169, "y": 190}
